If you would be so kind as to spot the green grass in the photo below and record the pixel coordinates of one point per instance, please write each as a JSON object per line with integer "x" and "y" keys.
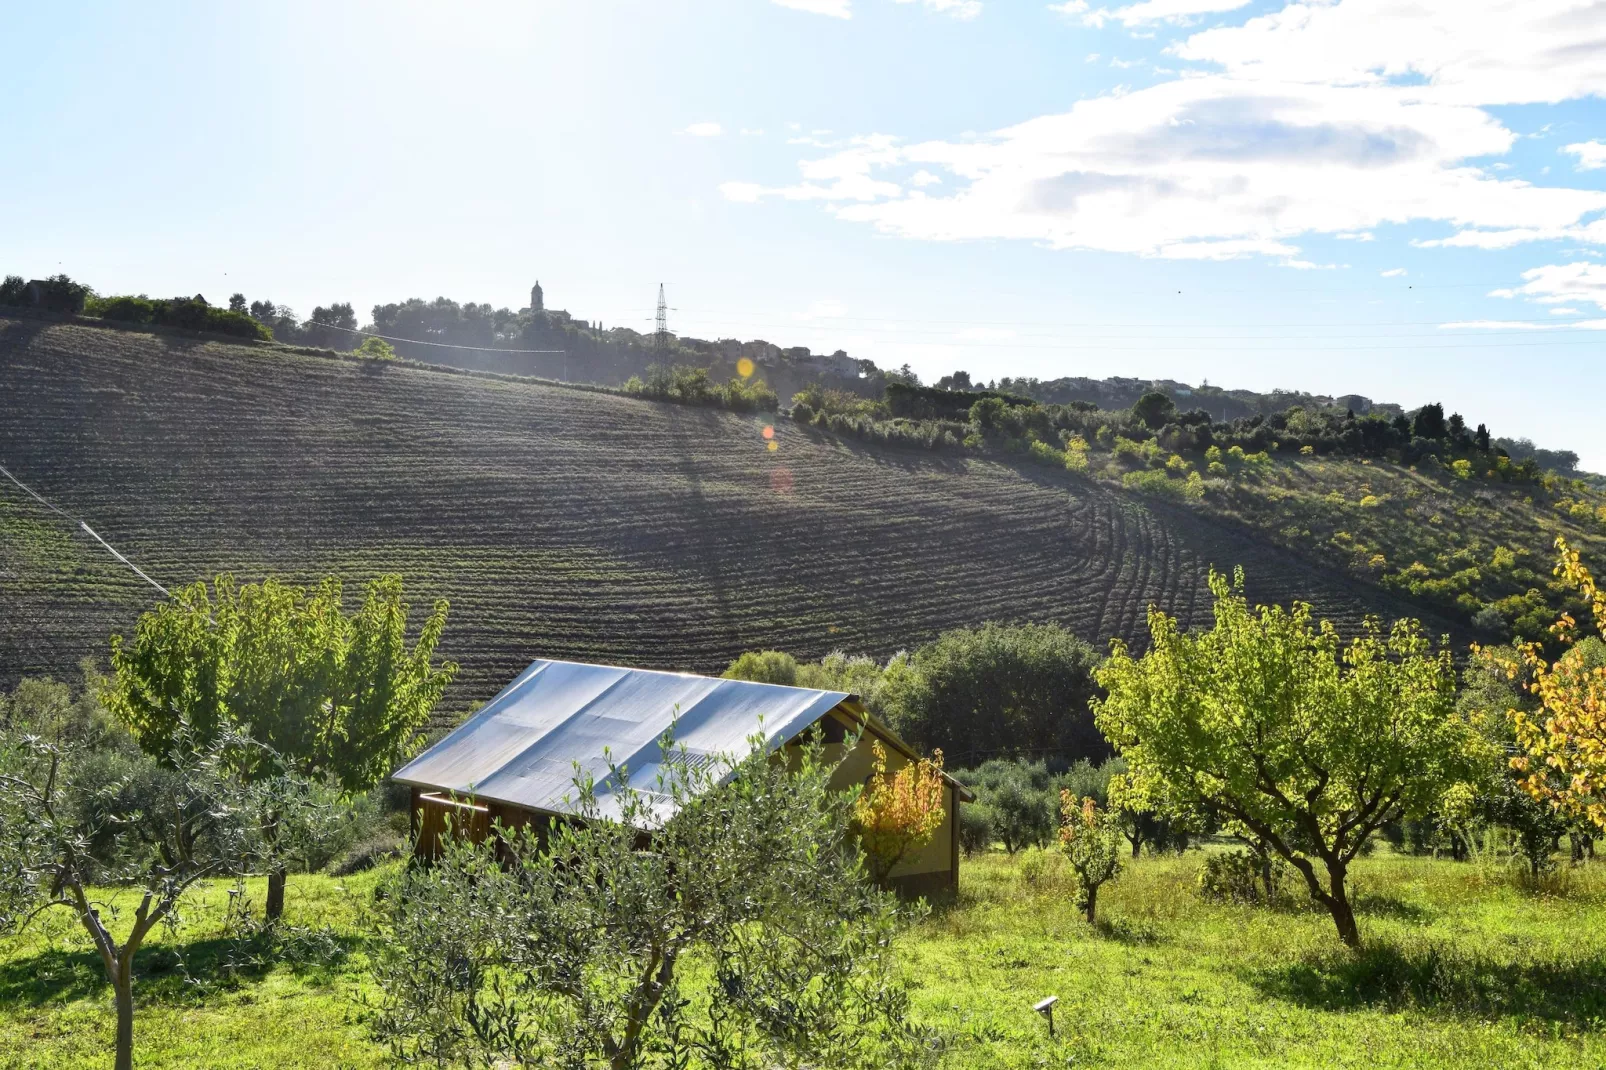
{"x": 205, "y": 997}
{"x": 1462, "y": 968}
{"x": 1459, "y": 971}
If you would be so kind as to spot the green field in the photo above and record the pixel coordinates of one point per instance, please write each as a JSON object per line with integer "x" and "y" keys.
{"x": 561, "y": 522}
{"x": 1463, "y": 969}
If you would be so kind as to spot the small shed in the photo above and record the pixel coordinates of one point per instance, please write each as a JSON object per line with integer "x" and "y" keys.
{"x": 515, "y": 759}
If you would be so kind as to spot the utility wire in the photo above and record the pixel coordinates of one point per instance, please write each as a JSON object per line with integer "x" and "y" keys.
{"x": 1030, "y": 332}
{"x": 437, "y": 345}
{"x": 83, "y": 524}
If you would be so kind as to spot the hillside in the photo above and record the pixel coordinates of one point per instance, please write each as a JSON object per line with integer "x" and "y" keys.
{"x": 560, "y": 522}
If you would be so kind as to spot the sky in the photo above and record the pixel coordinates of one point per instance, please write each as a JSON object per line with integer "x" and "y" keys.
{"x": 1401, "y": 200}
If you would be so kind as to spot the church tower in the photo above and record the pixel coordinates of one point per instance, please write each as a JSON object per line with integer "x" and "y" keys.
{"x": 536, "y": 302}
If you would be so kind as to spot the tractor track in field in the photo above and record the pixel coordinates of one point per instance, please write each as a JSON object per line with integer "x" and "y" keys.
{"x": 560, "y": 523}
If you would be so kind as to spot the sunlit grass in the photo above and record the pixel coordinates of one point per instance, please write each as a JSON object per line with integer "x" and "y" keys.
{"x": 1462, "y": 968}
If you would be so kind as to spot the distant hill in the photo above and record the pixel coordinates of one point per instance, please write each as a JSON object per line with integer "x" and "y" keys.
{"x": 561, "y": 522}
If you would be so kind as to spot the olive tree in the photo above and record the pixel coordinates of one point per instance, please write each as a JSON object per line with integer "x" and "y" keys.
{"x": 337, "y": 696}
{"x": 1309, "y": 743}
{"x": 68, "y": 830}
{"x": 720, "y": 915}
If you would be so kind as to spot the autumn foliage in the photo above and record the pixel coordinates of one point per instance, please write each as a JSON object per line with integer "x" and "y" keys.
{"x": 1091, "y": 839}
{"x": 1566, "y": 737}
{"x": 896, "y": 815}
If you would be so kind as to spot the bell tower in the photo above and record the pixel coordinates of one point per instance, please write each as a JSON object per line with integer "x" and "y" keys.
{"x": 537, "y": 304}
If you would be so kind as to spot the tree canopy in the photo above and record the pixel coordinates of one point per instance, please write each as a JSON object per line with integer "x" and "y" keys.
{"x": 1273, "y": 723}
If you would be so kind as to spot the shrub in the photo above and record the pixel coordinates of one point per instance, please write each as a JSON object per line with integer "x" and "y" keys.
{"x": 976, "y": 832}
{"x": 1149, "y": 481}
{"x": 13, "y": 291}
{"x": 375, "y": 349}
{"x": 1043, "y": 453}
{"x": 1242, "y": 877}
{"x": 1022, "y": 816}
{"x": 764, "y": 666}
{"x": 371, "y": 852}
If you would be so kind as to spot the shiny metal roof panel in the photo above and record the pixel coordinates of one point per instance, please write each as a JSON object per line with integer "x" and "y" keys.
{"x": 523, "y": 746}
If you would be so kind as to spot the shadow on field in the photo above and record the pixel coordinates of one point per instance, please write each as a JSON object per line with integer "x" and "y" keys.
{"x": 1438, "y": 980}
{"x": 1388, "y": 906}
{"x": 164, "y": 974}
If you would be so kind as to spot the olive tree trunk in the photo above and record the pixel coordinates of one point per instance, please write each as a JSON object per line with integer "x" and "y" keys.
{"x": 275, "y": 905}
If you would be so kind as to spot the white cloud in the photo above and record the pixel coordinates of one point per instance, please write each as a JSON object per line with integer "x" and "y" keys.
{"x": 752, "y": 133}
{"x": 1092, "y": 57}
{"x": 1202, "y": 159}
{"x": 837, "y": 9}
{"x": 1475, "y": 52}
{"x": 959, "y": 9}
{"x": 1327, "y": 118}
{"x": 923, "y": 177}
{"x": 1513, "y": 236}
{"x": 1565, "y": 312}
{"x": 1152, "y": 11}
{"x": 704, "y": 130}
{"x": 1355, "y": 235}
{"x": 1069, "y": 7}
{"x": 1591, "y": 154}
{"x": 1308, "y": 265}
{"x": 1394, "y": 273}
{"x": 1555, "y": 284}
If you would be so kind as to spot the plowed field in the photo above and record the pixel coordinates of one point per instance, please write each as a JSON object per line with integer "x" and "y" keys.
{"x": 560, "y": 523}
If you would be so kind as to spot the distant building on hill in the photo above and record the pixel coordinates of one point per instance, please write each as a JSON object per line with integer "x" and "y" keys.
{"x": 537, "y": 300}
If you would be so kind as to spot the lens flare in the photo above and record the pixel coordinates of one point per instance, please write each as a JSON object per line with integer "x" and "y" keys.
{"x": 774, "y": 445}
{"x": 745, "y": 368}
{"x": 769, "y": 432}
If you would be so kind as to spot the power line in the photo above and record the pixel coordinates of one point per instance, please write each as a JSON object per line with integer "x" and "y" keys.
{"x": 83, "y": 524}
{"x": 437, "y": 345}
{"x": 1074, "y": 346}
{"x": 1553, "y": 328}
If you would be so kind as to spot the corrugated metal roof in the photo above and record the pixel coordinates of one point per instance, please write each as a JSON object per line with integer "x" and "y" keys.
{"x": 522, "y": 746}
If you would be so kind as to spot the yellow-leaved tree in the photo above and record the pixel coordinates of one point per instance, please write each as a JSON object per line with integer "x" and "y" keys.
{"x": 898, "y": 814}
{"x": 1091, "y": 839}
{"x": 1566, "y": 737}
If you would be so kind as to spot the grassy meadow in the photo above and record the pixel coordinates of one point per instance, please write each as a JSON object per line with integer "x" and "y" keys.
{"x": 1462, "y": 968}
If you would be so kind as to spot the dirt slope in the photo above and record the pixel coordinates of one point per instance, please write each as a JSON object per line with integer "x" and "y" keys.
{"x": 559, "y": 522}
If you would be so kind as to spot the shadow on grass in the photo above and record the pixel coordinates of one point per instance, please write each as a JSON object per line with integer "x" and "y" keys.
{"x": 176, "y": 974}
{"x": 1127, "y": 931}
{"x": 1439, "y": 980}
{"x": 1387, "y": 906}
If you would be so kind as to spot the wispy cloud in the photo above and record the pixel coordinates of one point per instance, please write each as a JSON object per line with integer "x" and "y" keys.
{"x": 959, "y": 9}
{"x": 1148, "y": 12}
{"x": 1522, "y": 325}
{"x": 704, "y": 130}
{"x": 1555, "y": 284}
{"x": 836, "y": 9}
{"x": 1394, "y": 273}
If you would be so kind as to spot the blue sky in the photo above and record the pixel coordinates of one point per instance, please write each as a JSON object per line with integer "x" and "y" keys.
{"x": 1258, "y": 194}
